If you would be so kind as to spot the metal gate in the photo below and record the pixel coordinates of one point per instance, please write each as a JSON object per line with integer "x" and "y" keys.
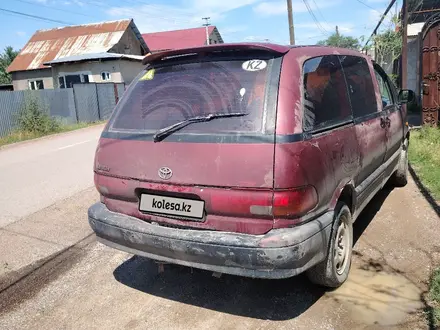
{"x": 431, "y": 74}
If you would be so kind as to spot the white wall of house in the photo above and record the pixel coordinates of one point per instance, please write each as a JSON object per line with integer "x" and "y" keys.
{"x": 116, "y": 71}
{"x": 414, "y": 29}
{"x": 21, "y": 79}
{"x": 213, "y": 38}
{"x": 129, "y": 70}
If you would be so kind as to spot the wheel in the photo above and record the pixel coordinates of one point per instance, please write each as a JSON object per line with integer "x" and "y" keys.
{"x": 400, "y": 177}
{"x": 333, "y": 271}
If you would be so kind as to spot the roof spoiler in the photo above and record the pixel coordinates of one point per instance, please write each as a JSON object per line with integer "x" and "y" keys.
{"x": 276, "y": 49}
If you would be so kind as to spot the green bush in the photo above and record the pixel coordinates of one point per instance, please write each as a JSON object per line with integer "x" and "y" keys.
{"x": 434, "y": 294}
{"x": 33, "y": 118}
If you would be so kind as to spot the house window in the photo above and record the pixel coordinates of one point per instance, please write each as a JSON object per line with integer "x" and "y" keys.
{"x": 105, "y": 76}
{"x": 36, "y": 84}
{"x": 68, "y": 80}
{"x": 62, "y": 82}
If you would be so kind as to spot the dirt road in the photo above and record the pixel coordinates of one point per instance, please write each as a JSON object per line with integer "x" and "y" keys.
{"x": 91, "y": 286}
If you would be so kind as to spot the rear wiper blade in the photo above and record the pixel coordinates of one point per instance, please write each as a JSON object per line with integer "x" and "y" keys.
{"x": 164, "y": 132}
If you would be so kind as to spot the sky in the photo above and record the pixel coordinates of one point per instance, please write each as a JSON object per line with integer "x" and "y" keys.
{"x": 236, "y": 20}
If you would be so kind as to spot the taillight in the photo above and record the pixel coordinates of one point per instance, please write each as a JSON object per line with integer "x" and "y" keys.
{"x": 244, "y": 203}
{"x": 295, "y": 202}
{"x": 280, "y": 204}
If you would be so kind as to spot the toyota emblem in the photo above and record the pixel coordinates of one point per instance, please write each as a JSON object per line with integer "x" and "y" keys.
{"x": 165, "y": 173}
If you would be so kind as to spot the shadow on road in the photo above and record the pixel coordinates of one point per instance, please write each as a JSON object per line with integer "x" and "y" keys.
{"x": 260, "y": 299}
{"x": 369, "y": 213}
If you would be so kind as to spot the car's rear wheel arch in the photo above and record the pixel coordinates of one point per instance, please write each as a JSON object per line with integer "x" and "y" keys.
{"x": 347, "y": 196}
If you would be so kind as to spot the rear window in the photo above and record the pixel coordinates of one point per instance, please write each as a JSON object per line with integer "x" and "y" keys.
{"x": 165, "y": 95}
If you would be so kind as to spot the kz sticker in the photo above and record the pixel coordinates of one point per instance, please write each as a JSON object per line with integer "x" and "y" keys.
{"x": 254, "y": 65}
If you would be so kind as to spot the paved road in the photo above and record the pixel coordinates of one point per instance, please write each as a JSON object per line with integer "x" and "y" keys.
{"x": 56, "y": 170}
{"x": 39, "y": 173}
{"x": 90, "y": 286}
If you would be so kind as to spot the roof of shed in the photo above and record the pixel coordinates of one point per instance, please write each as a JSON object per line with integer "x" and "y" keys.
{"x": 48, "y": 45}
{"x": 177, "y": 39}
{"x": 95, "y": 56}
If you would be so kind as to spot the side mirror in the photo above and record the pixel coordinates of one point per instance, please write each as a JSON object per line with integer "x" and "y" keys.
{"x": 406, "y": 96}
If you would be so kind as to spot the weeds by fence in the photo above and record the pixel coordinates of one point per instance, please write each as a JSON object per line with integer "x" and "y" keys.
{"x": 45, "y": 109}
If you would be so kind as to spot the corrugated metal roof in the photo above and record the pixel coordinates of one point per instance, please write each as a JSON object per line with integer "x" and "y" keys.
{"x": 178, "y": 39}
{"x": 48, "y": 45}
{"x": 91, "y": 57}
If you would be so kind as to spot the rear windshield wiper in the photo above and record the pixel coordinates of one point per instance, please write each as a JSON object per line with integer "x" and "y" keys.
{"x": 164, "y": 132}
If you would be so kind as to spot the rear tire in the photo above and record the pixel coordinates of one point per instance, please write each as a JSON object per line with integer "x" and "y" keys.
{"x": 333, "y": 271}
{"x": 400, "y": 177}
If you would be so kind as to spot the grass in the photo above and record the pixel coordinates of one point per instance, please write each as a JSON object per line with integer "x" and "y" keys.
{"x": 19, "y": 135}
{"x": 434, "y": 295}
{"x": 424, "y": 157}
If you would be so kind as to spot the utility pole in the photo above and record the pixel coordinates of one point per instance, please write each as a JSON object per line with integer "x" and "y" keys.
{"x": 381, "y": 20}
{"x": 337, "y": 36}
{"x": 404, "y": 44}
{"x": 206, "y": 19}
{"x": 291, "y": 28}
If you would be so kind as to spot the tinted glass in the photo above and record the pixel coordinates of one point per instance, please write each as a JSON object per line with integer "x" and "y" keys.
{"x": 325, "y": 92}
{"x": 166, "y": 95}
{"x": 385, "y": 90}
{"x": 360, "y": 85}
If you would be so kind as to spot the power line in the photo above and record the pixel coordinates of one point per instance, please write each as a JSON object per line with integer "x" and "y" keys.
{"x": 367, "y": 5}
{"x": 318, "y": 24}
{"x": 380, "y": 22}
{"x": 168, "y": 18}
{"x": 319, "y": 11}
{"x": 34, "y": 16}
{"x": 51, "y": 7}
{"x": 372, "y": 8}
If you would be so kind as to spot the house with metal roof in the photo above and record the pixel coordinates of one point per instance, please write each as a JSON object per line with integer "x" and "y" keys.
{"x": 101, "y": 52}
{"x": 187, "y": 38}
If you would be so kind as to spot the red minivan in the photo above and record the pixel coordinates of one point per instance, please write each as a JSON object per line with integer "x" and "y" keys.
{"x": 249, "y": 159}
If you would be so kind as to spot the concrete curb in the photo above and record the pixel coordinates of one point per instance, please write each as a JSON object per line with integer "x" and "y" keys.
{"x": 50, "y": 136}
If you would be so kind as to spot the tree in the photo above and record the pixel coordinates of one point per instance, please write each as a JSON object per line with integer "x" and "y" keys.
{"x": 388, "y": 46}
{"x": 5, "y": 60}
{"x": 339, "y": 40}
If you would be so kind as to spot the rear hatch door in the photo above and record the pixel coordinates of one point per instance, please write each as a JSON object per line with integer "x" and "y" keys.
{"x": 225, "y": 159}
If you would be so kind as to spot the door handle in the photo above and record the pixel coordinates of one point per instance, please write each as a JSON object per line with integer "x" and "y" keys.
{"x": 388, "y": 122}
{"x": 382, "y": 122}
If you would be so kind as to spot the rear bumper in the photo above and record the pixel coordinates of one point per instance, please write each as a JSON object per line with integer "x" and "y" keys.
{"x": 280, "y": 253}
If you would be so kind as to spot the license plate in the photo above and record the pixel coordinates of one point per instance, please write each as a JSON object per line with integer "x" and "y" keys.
{"x": 188, "y": 208}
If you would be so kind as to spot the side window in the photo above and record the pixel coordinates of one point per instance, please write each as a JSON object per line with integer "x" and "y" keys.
{"x": 385, "y": 90}
{"x": 36, "y": 84}
{"x": 360, "y": 85}
{"x": 105, "y": 76}
{"x": 325, "y": 93}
